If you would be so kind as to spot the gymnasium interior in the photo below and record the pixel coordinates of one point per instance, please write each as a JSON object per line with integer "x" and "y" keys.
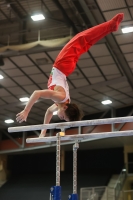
{"x": 101, "y": 85}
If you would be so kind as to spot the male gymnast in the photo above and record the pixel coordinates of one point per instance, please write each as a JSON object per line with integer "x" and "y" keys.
{"x": 64, "y": 65}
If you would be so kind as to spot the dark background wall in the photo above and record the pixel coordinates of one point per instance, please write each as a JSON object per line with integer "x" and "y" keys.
{"x": 32, "y": 175}
{"x": 89, "y": 160}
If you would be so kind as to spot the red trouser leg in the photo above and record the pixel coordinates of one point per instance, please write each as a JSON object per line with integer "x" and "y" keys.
{"x": 80, "y": 43}
{"x": 91, "y": 36}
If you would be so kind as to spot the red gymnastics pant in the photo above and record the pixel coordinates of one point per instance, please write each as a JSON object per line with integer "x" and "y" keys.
{"x": 79, "y": 44}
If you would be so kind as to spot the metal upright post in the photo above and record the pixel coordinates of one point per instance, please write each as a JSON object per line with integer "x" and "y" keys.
{"x": 58, "y": 160}
{"x": 74, "y": 196}
{"x": 75, "y": 147}
{"x": 55, "y": 191}
{"x": 113, "y": 114}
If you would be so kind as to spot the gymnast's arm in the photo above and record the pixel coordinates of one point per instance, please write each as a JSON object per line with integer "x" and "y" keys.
{"x": 46, "y": 94}
{"x": 48, "y": 117}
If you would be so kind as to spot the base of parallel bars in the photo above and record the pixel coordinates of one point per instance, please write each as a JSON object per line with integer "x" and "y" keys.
{"x": 55, "y": 193}
{"x": 73, "y": 197}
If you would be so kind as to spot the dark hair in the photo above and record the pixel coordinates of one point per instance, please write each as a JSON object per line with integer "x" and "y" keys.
{"x": 73, "y": 112}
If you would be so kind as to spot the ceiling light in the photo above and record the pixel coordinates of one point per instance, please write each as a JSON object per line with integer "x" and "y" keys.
{"x": 127, "y": 29}
{"x": 105, "y": 102}
{"x": 1, "y": 77}
{"x": 37, "y": 17}
{"x": 24, "y": 99}
{"x": 9, "y": 121}
{"x": 55, "y": 113}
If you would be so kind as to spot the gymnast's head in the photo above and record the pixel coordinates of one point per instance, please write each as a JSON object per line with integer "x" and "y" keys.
{"x": 70, "y": 112}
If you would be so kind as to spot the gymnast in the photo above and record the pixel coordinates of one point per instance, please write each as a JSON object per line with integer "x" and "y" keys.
{"x": 64, "y": 65}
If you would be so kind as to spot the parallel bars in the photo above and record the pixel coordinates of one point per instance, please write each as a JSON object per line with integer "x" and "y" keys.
{"x": 71, "y": 124}
{"x": 77, "y": 138}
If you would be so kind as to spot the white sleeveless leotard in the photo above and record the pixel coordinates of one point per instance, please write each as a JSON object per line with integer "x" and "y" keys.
{"x": 57, "y": 78}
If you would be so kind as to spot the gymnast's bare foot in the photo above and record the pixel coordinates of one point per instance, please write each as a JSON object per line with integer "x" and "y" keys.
{"x": 115, "y": 21}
